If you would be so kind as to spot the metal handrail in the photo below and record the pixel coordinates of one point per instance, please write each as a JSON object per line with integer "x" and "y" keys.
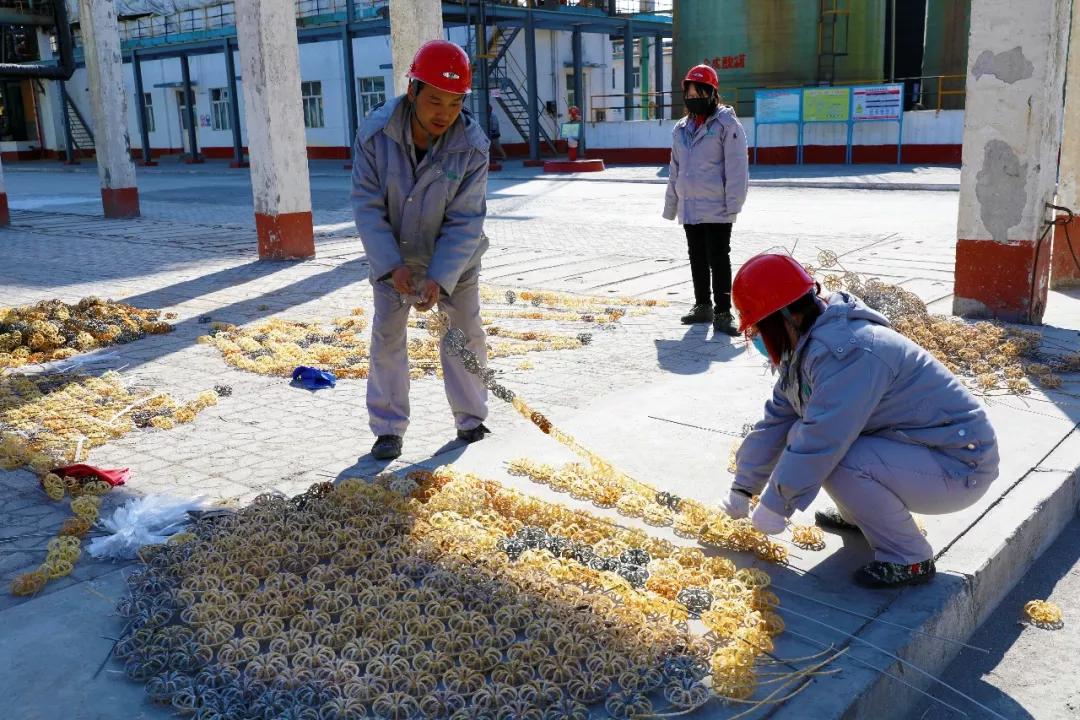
{"x": 518, "y": 78}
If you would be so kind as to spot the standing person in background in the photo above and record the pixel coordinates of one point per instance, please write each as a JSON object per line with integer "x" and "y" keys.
{"x": 707, "y": 185}
{"x": 419, "y": 190}
{"x": 494, "y": 133}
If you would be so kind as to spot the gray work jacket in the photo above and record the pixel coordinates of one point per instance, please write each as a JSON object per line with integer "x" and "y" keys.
{"x": 854, "y": 375}
{"x": 710, "y": 170}
{"x": 429, "y": 215}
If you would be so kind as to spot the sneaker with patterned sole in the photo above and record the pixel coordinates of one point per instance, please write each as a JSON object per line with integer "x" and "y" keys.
{"x": 890, "y": 575}
{"x": 724, "y": 323}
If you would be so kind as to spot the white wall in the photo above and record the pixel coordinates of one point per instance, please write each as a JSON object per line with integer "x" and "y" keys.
{"x": 920, "y": 128}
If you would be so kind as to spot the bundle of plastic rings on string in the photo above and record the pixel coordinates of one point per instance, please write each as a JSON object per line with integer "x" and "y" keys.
{"x": 54, "y": 330}
{"x": 46, "y": 419}
{"x": 1044, "y": 614}
{"x": 276, "y": 347}
{"x": 355, "y": 600}
{"x": 63, "y": 551}
{"x": 990, "y": 357}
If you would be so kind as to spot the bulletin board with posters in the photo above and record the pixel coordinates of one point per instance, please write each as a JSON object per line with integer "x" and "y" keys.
{"x": 879, "y": 103}
{"x": 778, "y": 107}
{"x": 823, "y": 105}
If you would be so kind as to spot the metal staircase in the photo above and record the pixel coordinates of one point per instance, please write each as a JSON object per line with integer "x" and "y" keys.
{"x": 505, "y": 74}
{"x": 81, "y": 136}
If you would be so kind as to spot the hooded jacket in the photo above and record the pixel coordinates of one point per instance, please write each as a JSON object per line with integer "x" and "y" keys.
{"x": 853, "y": 375}
{"x": 710, "y": 170}
{"x": 430, "y": 217}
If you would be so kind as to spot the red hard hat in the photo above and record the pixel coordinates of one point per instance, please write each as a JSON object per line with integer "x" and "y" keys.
{"x": 443, "y": 65}
{"x": 765, "y": 284}
{"x": 702, "y": 74}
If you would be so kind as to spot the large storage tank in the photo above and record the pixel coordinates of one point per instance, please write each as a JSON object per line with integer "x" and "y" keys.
{"x": 945, "y": 53}
{"x": 762, "y": 43}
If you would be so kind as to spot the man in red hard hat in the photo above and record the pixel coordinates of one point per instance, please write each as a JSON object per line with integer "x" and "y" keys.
{"x": 420, "y": 168}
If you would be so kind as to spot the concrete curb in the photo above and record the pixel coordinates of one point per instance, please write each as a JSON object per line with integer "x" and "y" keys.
{"x": 971, "y": 584}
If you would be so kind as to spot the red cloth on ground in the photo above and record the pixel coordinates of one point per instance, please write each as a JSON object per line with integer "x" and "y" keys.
{"x": 113, "y": 477}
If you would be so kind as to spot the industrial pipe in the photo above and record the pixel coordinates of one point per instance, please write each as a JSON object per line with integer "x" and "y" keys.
{"x": 65, "y": 45}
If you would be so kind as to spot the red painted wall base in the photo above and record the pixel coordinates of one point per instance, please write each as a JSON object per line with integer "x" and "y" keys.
{"x": 1064, "y": 271}
{"x": 573, "y": 166}
{"x": 1006, "y": 281}
{"x": 120, "y": 202}
{"x": 289, "y": 236}
{"x": 5, "y": 216}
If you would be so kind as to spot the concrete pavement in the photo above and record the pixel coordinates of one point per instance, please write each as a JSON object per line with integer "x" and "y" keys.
{"x": 623, "y": 396}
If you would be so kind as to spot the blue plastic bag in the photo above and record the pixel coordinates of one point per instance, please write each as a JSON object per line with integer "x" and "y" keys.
{"x": 313, "y": 378}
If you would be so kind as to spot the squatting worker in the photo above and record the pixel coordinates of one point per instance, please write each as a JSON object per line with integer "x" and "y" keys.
{"x": 861, "y": 411}
{"x": 420, "y": 168}
{"x": 706, "y": 189}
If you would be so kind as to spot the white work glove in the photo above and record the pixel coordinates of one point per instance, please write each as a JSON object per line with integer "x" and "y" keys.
{"x": 767, "y": 521}
{"x": 736, "y": 505}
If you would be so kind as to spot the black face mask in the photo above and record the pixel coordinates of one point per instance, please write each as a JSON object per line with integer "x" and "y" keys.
{"x": 699, "y": 106}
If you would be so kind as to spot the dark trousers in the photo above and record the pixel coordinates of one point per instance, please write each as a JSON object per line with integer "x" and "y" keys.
{"x": 710, "y": 256}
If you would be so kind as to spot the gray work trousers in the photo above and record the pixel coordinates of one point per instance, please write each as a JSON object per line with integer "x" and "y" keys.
{"x": 880, "y": 482}
{"x": 388, "y": 376}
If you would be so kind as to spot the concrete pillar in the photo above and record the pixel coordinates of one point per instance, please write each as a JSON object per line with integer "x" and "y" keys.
{"x": 412, "y": 23}
{"x": 5, "y": 216}
{"x": 1064, "y": 269}
{"x": 1012, "y": 131}
{"x": 52, "y": 107}
{"x": 277, "y": 140}
{"x": 108, "y": 107}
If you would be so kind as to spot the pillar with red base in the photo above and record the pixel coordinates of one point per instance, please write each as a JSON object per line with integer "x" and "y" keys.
{"x": 5, "y": 217}
{"x": 108, "y": 107}
{"x": 277, "y": 142}
{"x": 1012, "y": 122}
{"x": 1065, "y": 256}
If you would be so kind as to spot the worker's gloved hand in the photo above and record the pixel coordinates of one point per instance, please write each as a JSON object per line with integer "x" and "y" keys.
{"x": 402, "y": 277}
{"x": 429, "y": 295}
{"x": 767, "y": 521}
{"x": 736, "y": 505}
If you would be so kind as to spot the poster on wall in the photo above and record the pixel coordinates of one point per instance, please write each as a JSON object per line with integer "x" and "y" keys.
{"x": 877, "y": 102}
{"x": 777, "y": 106}
{"x": 826, "y": 104}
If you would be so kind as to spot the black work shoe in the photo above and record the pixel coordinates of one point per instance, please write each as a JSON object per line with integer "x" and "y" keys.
{"x": 724, "y": 323}
{"x": 831, "y": 518}
{"x": 386, "y": 447}
{"x": 473, "y": 434}
{"x": 698, "y": 314}
{"x": 889, "y": 575}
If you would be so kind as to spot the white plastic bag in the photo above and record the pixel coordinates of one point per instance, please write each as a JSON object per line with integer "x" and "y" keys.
{"x": 142, "y": 521}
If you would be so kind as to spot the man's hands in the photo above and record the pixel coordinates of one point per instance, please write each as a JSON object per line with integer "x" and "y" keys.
{"x": 429, "y": 295}
{"x": 424, "y": 292}
{"x": 402, "y": 278}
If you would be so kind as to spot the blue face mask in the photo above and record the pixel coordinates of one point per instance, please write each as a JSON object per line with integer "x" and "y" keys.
{"x": 759, "y": 345}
